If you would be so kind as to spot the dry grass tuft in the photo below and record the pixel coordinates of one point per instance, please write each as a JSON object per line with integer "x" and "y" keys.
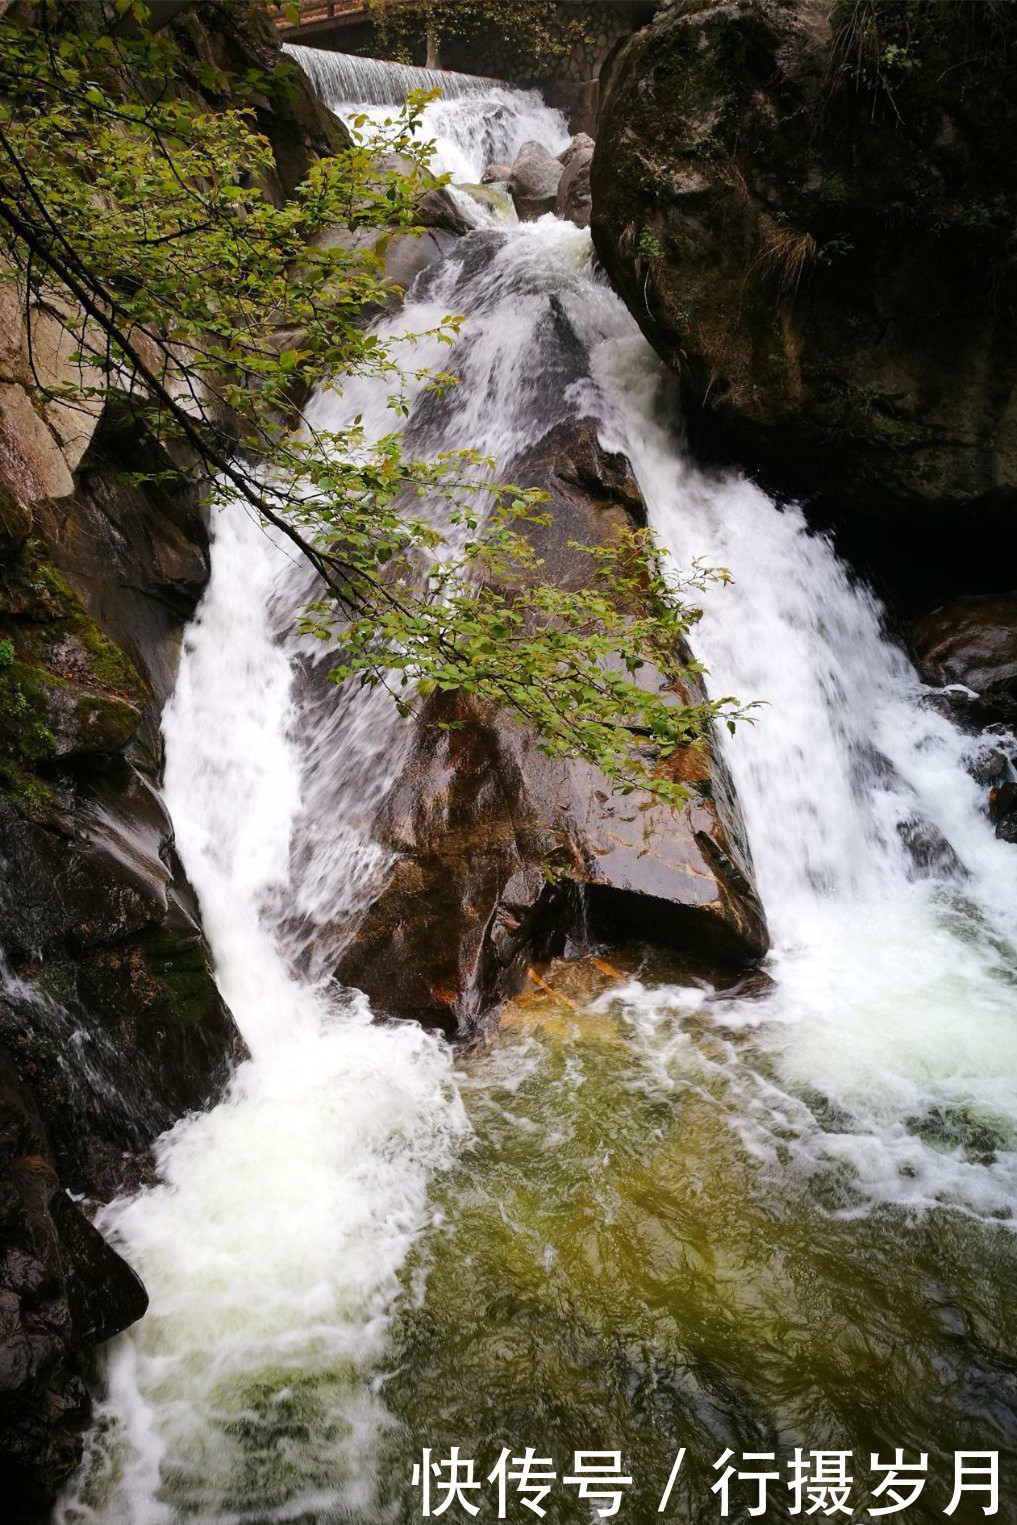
{"x": 787, "y": 254}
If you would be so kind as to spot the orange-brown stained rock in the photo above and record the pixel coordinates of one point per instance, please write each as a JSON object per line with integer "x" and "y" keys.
{"x": 504, "y": 853}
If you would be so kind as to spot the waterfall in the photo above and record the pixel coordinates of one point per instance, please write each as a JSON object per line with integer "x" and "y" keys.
{"x": 890, "y": 1032}
{"x": 343, "y": 79}
{"x": 476, "y": 123}
{"x": 272, "y": 1246}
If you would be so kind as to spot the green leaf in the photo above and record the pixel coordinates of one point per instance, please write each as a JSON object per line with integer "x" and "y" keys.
{"x": 159, "y": 198}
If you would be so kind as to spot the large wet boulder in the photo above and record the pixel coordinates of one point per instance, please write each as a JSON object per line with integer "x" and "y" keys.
{"x": 574, "y": 199}
{"x": 972, "y": 641}
{"x": 62, "y": 1290}
{"x": 534, "y": 183}
{"x": 111, "y": 1012}
{"x": 502, "y": 853}
{"x": 809, "y": 208}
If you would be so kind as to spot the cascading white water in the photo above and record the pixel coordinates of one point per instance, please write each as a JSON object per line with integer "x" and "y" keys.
{"x": 343, "y": 79}
{"x": 352, "y": 747}
{"x": 272, "y": 1247}
{"x": 477, "y": 122}
{"x": 892, "y": 1030}
{"x": 889, "y": 1045}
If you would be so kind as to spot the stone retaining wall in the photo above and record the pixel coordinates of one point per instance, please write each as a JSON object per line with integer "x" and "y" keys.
{"x": 485, "y": 49}
{"x": 488, "y": 52}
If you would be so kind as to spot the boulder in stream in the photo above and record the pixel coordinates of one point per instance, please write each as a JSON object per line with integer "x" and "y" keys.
{"x": 973, "y": 641}
{"x": 503, "y": 853}
{"x": 534, "y": 183}
{"x": 574, "y": 201}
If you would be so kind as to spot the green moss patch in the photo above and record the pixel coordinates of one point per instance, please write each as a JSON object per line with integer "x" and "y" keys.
{"x": 65, "y": 688}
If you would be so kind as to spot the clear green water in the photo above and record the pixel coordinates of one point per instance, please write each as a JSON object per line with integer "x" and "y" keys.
{"x": 611, "y": 1267}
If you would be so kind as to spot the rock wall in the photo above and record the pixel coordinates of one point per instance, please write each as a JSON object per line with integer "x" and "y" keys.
{"x": 809, "y": 208}
{"x": 111, "y": 1012}
{"x": 489, "y": 51}
{"x": 108, "y": 1010}
{"x": 237, "y": 40}
{"x": 62, "y": 1289}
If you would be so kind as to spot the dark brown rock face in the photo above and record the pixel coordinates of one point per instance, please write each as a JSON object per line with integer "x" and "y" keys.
{"x": 501, "y": 848}
{"x": 62, "y": 1289}
{"x": 240, "y": 42}
{"x": 135, "y": 554}
{"x": 809, "y": 207}
{"x": 1003, "y": 811}
{"x": 112, "y": 1015}
{"x": 973, "y": 641}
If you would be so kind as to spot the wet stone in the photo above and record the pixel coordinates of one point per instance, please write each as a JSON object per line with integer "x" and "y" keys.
{"x": 1003, "y": 811}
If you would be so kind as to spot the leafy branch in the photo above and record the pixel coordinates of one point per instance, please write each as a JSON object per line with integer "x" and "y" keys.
{"x": 141, "y": 218}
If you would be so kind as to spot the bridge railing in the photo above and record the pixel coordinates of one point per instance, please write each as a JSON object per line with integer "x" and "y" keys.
{"x": 316, "y": 10}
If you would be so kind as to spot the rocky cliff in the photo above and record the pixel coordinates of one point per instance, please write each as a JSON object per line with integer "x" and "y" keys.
{"x": 108, "y": 1008}
{"x": 809, "y": 207}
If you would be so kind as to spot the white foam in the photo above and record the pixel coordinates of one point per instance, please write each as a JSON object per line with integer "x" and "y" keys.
{"x": 272, "y": 1246}
{"x": 896, "y": 1001}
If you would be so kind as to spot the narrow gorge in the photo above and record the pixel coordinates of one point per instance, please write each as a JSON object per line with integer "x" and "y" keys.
{"x": 378, "y": 1078}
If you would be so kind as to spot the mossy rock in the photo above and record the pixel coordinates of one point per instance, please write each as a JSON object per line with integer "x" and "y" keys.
{"x": 66, "y": 691}
{"x": 181, "y": 967}
{"x": 809, "y": 210}
{"x": 15, "y": 523}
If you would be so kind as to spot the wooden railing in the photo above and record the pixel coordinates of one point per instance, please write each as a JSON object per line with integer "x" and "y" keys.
{"x": 318, "y": 10}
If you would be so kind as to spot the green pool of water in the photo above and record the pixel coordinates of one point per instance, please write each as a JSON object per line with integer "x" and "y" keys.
{"x": 614, "y": 1266}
